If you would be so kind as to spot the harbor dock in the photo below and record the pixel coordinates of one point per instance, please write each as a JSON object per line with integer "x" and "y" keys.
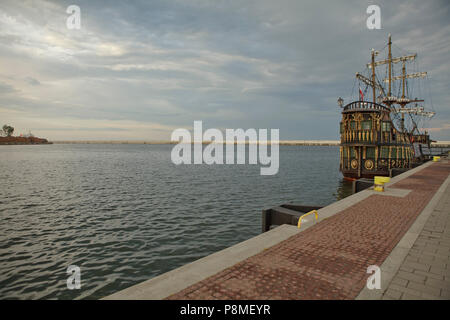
{"x": 437, "y": 144}
{"x": 405, "y": 231}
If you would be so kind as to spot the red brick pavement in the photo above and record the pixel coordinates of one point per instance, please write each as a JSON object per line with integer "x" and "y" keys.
{"x": 328, "y": 260}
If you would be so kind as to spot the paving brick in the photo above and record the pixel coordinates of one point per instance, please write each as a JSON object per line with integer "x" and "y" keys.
{"x": 417, "y": 266}
{"x": 443, "y": 251}
{"x": 411, "y": 276}
{"x": 424, "y": 288}
{"x": 441, "y": 261}
{"x": 426, "y": 260}
{"x": 430, "y": 296}
{"x": 406, "y": 269}
{"x": 441, "y": 256}
{"x": 393, "y": 294}
{"x": 440, "y": 271}
{"x": 444, "y": 241}
{"x": 399, "y": 281}
{"x": 429, "y": 275}
{"x": 407, "y": 296}
{"x": 441, "y": 284}
{"x": 404, "y": 289}
{"x": 445, "y": 294}
{"x": 411, "y": 259}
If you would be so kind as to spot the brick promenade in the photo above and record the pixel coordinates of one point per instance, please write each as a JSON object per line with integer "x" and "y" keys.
{"x": 329, "y": 260}
{"x": 425, "y": 272}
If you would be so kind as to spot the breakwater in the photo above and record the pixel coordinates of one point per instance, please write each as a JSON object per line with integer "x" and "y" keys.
{"x": 283, "y": 142}
{"x": 438, "y": 144}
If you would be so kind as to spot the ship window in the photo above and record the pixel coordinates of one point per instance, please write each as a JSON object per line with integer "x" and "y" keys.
{"x": 385, "y": 126}
{"x": 353, "y": 125}
{"x": 384, "y": 152}
{"x": 370, "y": 153}
{"x": 366, "y": 125}
{"x": 352, "y": 153}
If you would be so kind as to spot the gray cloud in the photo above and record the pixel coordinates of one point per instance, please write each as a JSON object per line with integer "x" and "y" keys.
{"x": 6, "y": 88}
{"x": 32, "y": 81}
{"x": 262, "y": 64}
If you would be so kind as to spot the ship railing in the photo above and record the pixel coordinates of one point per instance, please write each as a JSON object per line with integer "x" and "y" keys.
{"x": 372, "y": 136}
{"x": 364, "y": 105}
{"x": 364, "y": 136}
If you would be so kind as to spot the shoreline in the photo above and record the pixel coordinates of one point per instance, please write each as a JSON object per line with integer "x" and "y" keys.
{"x": 284, "y": 142}
{"x": 35, "y": 141}
{"x": 438, "y": 144}
{"x": 23, "y": 140}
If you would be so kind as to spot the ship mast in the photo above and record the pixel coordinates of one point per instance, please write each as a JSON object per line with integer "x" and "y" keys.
{"x": 388, "y": 99}
{"x": 403, "y": 94}
{"x": 373, "y": 76}
{"x": 390, "y": 65}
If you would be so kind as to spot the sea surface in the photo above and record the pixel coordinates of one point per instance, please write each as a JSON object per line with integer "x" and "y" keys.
{"x": 126, "y": 213}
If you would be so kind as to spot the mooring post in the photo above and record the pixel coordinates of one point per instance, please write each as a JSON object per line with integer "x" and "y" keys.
{"x": 266, "y": 220}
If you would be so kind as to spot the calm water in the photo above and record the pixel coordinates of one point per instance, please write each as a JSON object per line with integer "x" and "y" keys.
{"x": 125, "y": 213}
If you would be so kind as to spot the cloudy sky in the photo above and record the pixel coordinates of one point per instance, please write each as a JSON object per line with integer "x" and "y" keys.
{"x": 140, "y": 69}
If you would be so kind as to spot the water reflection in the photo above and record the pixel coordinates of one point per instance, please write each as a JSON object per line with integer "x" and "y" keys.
{"x": 344, "y": 189}
{"x": 126, "y": 213}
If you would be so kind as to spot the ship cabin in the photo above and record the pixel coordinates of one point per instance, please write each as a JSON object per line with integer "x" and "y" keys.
{"x": 370, "y": 143}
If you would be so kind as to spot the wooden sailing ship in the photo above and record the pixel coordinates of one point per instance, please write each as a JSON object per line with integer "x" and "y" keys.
{"x": 383, "y": 134}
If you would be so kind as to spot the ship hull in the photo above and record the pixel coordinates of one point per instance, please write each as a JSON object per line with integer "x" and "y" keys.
{"x": 354, "y": 175}
{"x": 371, "y": 145}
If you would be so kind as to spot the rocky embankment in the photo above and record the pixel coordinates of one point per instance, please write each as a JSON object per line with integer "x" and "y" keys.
{"x": 23, "y": 140}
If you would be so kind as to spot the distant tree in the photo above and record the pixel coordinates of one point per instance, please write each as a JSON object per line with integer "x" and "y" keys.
{"x": 8, "y": 130}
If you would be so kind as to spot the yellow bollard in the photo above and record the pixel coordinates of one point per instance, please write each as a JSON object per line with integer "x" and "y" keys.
{"x": 379, "y": 183}
{"x": 436, "y": 158}
{"x": 306, "y": 214}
